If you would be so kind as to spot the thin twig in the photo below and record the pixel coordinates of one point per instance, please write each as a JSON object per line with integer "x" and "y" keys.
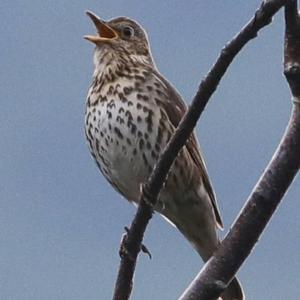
{"x": 150, "y": 191}
{"x": 267, "y": 193}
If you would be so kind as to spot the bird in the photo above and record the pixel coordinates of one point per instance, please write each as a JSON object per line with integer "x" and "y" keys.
{"x": 131, "y": 113}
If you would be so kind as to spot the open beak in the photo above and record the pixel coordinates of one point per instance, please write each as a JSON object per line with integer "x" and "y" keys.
{"x": 105, "y": 32}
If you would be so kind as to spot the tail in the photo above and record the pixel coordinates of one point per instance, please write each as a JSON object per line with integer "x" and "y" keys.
{"x": 202, "y": 234}
{"x": 234, "y": 291}
{"x": 205, "y": 245}
{"x": 205, "y": 248}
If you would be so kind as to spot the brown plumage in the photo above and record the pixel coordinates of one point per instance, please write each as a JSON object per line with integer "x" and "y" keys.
{"x": 131, "y": 113}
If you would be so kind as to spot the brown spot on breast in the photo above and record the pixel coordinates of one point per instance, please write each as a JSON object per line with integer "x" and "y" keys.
{"x": 122, "y": 98}
{"x": 141, "y": 144}
{"x": 88, "y": 118}
{"x": 103, "y": 149}
{"x": 140, "y": 78}
{"x": 159, "y": 92}
{"x": 120, "y": 120}
{"x": 88, "y": 101}
{"x": 128, "y": 115}
{"x": 97, "y": 145}
{"x": 149, "y": 121}
{"x": 128, "y": 141}
{"x": 127, "y": 90}
{"x": 89, "y": 132}
{"x": 118, "y": 132}
{"x": 133, "y": 128}
{"x": 145, "y": 160}
{"x": 111, "y": 104}
{"x": 154, "y": 155}
{"x": 142, "y": 97}
{"x": 110, "y": 90}
{"x": 126, "y": 68}
{"x": 149, "y": 88}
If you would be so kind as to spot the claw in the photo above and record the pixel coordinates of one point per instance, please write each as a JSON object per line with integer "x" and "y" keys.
{"x": 123, "y": 250}
{"x": 145, "y": 250}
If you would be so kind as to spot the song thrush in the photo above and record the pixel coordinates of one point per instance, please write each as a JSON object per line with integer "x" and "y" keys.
{"x": 131, "y": 113}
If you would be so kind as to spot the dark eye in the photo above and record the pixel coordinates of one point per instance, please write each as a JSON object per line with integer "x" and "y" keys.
{"x": 128, "y": 32}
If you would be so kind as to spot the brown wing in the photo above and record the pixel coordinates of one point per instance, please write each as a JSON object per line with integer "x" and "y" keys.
{"x": 176, "y": 108}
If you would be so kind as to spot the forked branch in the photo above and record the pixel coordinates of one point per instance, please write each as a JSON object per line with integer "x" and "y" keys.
{"x": 268, "y": 192}
{"x": 131, "y": 244}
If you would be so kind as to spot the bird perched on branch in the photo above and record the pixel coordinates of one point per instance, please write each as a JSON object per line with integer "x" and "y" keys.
{"x": 131, "y": 113}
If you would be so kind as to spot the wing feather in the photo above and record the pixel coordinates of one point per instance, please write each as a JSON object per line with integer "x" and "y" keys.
{"x": 175, "y": 109}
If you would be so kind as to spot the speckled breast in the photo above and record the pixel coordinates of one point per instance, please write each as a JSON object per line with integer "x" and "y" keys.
{"x": 126, "y": 130}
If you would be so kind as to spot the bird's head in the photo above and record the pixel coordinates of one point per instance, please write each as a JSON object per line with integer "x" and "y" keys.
{"x": 121, "y": 36}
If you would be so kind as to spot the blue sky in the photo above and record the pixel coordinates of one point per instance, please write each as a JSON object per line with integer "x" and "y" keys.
{"x": 60, "y": 221}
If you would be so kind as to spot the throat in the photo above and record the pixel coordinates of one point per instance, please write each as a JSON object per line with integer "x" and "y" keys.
{"x": 113, "y": 71}
{"x": 110, "y": 63}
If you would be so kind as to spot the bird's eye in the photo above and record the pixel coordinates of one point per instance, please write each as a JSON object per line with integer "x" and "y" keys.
{"x": 128, "y": 32}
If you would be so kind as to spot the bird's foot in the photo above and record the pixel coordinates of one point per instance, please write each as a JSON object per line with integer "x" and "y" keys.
{"x": 124, "y": 250}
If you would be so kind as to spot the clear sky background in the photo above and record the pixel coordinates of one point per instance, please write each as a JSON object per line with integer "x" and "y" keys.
{"x": 60, "y": 222}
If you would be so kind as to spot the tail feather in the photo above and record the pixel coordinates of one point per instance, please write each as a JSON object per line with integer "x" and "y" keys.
{"x": 202, "y": 234}
{"x": 234, "y": 291}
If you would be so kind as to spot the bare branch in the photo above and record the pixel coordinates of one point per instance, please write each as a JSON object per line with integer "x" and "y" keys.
{"x": 292, "y": 48}
{"x": 267, "y": 194}
{"x": 237, "y": 245}
{"x": 131, "y": 244}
